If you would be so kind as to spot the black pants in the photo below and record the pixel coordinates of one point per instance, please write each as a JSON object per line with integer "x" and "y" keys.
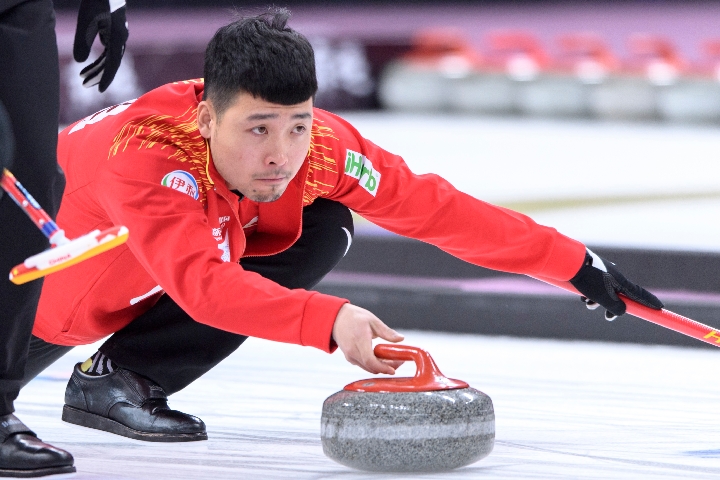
{"x": 29, "y": 90}
{"x": 167, "y": 346}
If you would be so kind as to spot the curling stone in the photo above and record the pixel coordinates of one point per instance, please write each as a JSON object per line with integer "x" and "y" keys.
{"x": 421, "y": 424}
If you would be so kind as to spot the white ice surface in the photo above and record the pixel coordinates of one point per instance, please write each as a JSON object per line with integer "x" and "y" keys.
{"x": 564, "y": 410}
{"x": 505, "y": 161}
{"x": 675, "y": 225}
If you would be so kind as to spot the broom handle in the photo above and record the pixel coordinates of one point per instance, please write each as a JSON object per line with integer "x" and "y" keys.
{"x": 664, "y": 318}
{"x": 27, "y": 203}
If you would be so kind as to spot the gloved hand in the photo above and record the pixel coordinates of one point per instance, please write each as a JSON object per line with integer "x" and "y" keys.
{"x": 600, "y": 282}
{"x": 108, "y": 18}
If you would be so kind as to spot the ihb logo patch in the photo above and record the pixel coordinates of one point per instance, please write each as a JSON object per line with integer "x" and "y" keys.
{"x": 359, "y": 166}
{"x": 181, "y": 181}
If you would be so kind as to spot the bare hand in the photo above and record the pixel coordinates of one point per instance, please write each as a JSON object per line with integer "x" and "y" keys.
{"x": 354, "y": 330}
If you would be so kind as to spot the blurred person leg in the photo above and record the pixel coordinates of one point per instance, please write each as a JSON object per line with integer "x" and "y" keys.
{"x": 29, "y": 90}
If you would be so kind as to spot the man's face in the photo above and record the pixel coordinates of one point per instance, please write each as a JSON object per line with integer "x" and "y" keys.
{"x": 257, "y": 146}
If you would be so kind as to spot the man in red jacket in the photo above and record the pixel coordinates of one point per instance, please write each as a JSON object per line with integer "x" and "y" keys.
{"x": 237, "y": 192}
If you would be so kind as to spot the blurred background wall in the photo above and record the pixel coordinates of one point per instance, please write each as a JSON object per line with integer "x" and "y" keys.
{"x": 617, "y": 60}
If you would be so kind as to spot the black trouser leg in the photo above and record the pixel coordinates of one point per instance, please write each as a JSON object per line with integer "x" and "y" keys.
{"x": 29, "y": 89}
{"x": 170, "y": 348}
{"x": 40, "y": 356}
{"x": 173, "y": 350}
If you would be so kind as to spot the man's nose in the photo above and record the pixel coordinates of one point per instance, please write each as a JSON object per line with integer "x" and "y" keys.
{"x": 278, "y": 154}
{"x": 277, "y": 159}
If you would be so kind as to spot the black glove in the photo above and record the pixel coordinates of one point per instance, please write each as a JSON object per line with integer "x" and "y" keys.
{"x": 108, "y": 18}
{"x": 600, "y": 282}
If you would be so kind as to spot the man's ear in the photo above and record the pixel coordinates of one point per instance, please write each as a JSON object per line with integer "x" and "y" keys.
{"x": 206, "y": 118}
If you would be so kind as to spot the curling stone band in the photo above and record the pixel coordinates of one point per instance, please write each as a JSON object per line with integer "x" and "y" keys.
{"x": 436, "y": 426}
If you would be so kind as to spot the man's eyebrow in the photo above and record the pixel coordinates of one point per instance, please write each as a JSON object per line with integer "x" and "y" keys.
{"x": 266, "y": 116}
{"x": 261, "y": 116}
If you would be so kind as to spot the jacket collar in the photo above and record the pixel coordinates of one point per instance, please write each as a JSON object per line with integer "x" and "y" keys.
{"x": 279, "y": 222}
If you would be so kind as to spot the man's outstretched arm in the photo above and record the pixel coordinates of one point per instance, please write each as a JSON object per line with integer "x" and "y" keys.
{"x": 379, "y": 186}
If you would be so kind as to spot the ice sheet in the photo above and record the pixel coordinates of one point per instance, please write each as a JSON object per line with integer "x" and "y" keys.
{"x": 565, "y": 410}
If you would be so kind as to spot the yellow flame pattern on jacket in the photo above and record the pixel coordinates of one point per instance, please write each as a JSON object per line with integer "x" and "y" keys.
{"x": 320, "y": 162}
{"x": 180, "y": 135}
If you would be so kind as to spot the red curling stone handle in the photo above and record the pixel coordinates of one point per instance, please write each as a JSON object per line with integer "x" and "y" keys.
{"x": 427, "y": 376}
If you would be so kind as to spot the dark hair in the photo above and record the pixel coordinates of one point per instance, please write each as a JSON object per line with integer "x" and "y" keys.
{"x": 262, "y": 56}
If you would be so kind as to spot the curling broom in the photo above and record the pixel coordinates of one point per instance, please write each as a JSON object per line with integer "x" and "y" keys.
{"x": 64, "y": 252}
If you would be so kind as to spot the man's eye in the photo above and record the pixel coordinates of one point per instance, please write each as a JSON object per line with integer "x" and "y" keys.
{"x": 260, "y": 130}
{"x": 300, "y": 129}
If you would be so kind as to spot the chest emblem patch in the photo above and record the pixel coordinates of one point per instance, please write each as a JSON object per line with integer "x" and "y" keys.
{"x": 181, "y": 181}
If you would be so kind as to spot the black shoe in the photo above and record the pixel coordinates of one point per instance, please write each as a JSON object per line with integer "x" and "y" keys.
{"x": 24, "y": 455}
{"x": 127, "y": 404}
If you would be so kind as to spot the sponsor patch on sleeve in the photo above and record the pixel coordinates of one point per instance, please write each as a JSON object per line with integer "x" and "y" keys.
{"x": 181, "y": 181}
{"x": 359, "y": 166}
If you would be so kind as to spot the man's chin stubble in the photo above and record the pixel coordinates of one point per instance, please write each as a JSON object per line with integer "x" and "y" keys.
{"x": 265, "y": 198}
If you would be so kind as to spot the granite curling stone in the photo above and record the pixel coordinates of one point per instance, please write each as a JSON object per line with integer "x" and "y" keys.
{"x": 424, "y": 423}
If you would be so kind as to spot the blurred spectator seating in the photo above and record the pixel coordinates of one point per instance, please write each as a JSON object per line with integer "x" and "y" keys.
{"x": 421, "y": 79}
{"x": 695, "y": 95}
{"x": 581, "y": 77}
{"x": 512, "y": 60}
{"x": 565, "y": 87}
{"x": 653, "y": 66}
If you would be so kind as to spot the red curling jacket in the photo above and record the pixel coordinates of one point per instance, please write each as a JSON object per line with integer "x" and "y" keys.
{"x": 143, "y": 164}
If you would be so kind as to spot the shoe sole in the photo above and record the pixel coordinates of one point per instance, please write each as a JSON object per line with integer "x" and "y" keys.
{"x": 36, "y": 472}
{"x": 91, "y": 420}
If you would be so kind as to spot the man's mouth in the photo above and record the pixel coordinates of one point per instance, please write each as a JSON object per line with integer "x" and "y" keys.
{"x": 272, "y": 179}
